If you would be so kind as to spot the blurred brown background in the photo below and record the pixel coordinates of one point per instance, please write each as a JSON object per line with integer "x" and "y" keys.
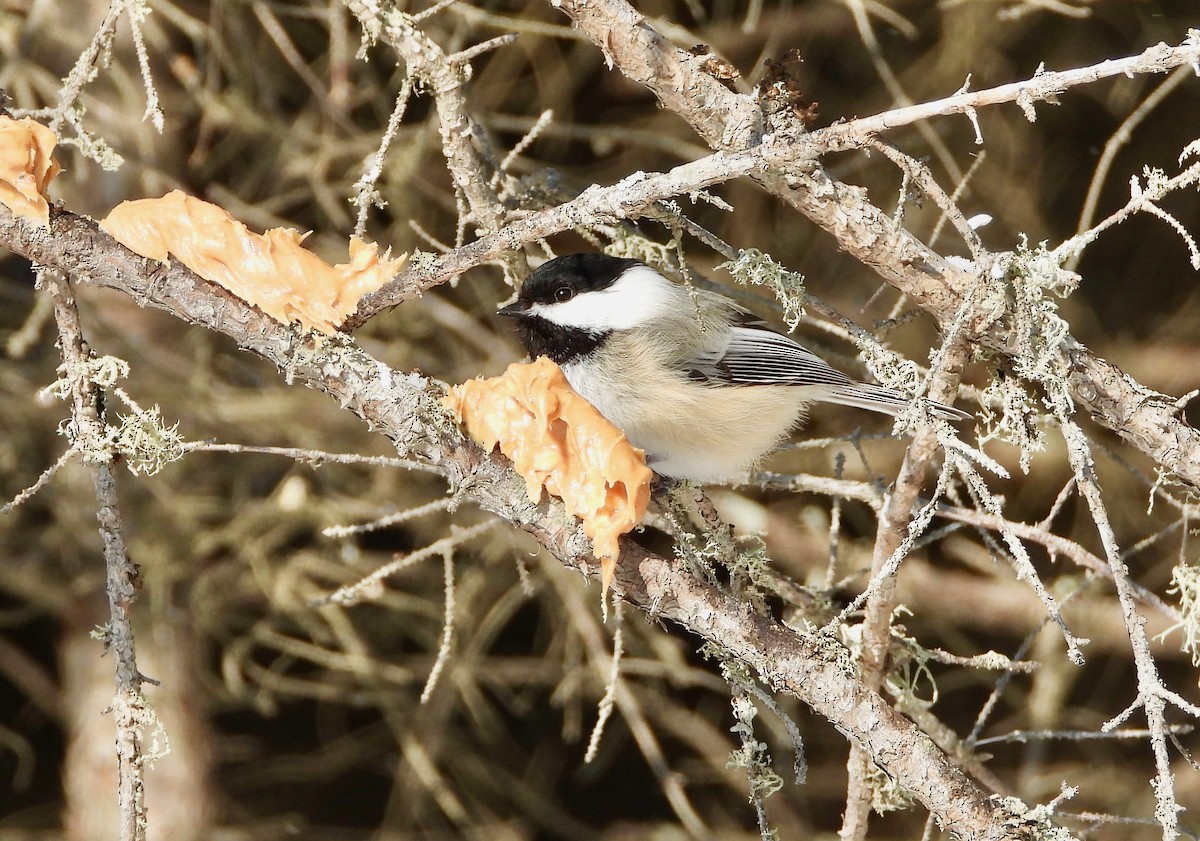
{"x": 287, "y": 721}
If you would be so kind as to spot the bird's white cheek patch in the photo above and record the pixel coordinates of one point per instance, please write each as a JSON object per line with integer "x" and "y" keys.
{"x": 639, "y": 295}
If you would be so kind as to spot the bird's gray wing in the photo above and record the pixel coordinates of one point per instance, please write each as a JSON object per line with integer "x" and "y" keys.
{"x": 757, "y": 355}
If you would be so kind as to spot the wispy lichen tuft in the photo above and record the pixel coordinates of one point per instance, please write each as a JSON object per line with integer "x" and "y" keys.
{"x": 1017, "y": 421}
{"x": 1185, "y": 582}
{"x": 1037, "y": 281}
{"x": 754, "y": 268}
{"x": 635, "y": 247}
{"x": 146, "y": 442}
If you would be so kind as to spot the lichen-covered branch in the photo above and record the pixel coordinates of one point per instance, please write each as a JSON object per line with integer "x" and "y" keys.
{"x": 892, "y": 532}
{"x": 89, "y": 436}
{"x": 427, "y": 62}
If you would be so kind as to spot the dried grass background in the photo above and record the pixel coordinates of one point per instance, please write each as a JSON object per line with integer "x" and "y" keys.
{"x": 288, "y": 721}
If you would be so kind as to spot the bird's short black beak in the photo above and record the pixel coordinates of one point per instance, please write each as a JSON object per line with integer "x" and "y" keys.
{"x": 517, "y": 309}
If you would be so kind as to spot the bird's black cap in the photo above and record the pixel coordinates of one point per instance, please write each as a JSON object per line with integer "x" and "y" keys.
{"x": 578, "y": 272}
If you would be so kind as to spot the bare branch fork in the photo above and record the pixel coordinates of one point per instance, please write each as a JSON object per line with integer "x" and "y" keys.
{"x": 469, "y": 156}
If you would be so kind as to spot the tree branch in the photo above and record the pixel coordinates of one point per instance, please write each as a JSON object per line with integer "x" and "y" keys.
{"x": 892, "y": 532}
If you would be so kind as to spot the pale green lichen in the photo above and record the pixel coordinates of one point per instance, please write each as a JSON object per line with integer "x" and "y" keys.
{"x": 1035, "y": 823}
{"x": 145, "y": 440}
{"x": 635, "y": 247}
{"x": 1017, "y": 421}
{"x": 754, "y": 268}
{"x": 1185, "y": 582}
{"x": 753, "y": 756}
{"x": 1037, "y": 282}
{"x": 887, "y": 795}
{"x": 104, "y": 371}
{"x": 142, "y": 437}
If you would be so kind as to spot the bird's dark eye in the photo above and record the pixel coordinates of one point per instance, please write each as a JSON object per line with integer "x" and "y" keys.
{"x": 563, "y": 293}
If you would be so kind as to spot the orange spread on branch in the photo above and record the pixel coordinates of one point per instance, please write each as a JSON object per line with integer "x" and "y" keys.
{"x": 558, "y": 441}
{"x": 26, "y": 167}
{"x": 272, "y": 271}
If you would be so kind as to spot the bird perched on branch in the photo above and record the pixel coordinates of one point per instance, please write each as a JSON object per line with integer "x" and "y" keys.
{"x": 703, "y": 386}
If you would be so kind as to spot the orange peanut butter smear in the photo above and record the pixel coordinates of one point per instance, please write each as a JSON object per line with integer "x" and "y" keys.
{"x": 26, "y": 167}
{"x": 558, "y": 441}
{"x": 272, "y": 271}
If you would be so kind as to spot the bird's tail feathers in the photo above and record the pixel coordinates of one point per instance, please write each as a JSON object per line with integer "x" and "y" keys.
{"x": 879, "y": 399}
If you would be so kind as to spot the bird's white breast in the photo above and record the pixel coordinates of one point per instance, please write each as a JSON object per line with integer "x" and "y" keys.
{"x": 707, "y": 434}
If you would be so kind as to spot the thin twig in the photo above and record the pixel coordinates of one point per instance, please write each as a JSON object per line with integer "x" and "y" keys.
{"x": 900, "y": 98}
{"x": 1150, "y": 688}
{"x": 311, "y": 457}
{"x": 42, "y": 480}
{"x": 898, "y": 527}
{"x": 605, "y": 708}
{"x": 1120, "y": 138}
{"x": 443, "y": 654}
{"x": 370, "y": 585}
{"x": 128, "y": 706}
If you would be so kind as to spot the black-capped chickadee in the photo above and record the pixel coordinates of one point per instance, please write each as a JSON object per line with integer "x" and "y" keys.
{"x": 703, "y": 386}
